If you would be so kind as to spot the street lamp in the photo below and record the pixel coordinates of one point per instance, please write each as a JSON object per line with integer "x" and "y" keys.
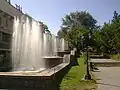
{"x": 88, "y": 76}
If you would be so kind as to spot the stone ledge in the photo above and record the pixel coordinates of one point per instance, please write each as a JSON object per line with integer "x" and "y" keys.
{"x": 42, "y": 80}
{"x": 105, "y": 62}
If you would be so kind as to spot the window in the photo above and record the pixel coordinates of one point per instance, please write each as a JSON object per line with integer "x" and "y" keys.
{"x": 6, "y": 23}
{"x": 1, "y": 57}
{"x": 6, "y": 37}
{"x": 0, "y": 36}
{"x": 0, "y": 20}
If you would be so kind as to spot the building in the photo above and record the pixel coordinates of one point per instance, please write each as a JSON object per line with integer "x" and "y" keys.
{"x": 7, "y": 13}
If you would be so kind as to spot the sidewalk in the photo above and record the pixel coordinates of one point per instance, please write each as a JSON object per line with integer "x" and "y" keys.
{"x": 108, "y": 78}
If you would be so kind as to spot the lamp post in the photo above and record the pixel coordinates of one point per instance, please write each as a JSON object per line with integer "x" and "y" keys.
{"x": 87, "y": 76}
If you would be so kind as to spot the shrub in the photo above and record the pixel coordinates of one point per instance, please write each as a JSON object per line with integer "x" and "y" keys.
{"x": 106, "y": 55}
{"x": 115, "y": 57}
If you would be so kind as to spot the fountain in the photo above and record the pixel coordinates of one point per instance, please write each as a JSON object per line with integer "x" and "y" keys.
{"x": 27, "y": 44}
{"x": 63, "y": 47}
{"x": 50, "y": 51}
{"x": 36, "y": 57}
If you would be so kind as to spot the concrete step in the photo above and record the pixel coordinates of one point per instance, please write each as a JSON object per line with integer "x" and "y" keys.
{"x": 96, "y": 56}
{"x": 100, "y": 56}
{"x": 105, "y": 62}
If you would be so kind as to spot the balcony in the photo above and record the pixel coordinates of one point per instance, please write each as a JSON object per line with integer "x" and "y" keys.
{"x": 5, "y": 30}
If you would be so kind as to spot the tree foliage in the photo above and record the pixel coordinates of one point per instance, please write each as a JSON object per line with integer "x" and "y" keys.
{"x": 110, "y": 35}
{"x": 76, "y": 27}
{"x": 76, "y": 20}
{"x": 77, "y": 37}
{"x": 45, "y": 27}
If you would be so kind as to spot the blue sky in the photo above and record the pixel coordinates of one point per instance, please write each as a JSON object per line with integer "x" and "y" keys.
{"x": 51, "y": 11}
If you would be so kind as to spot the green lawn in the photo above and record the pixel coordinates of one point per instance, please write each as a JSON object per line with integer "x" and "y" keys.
{"x": 72, "y": 81}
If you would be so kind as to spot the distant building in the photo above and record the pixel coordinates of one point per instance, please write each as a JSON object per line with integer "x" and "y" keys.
{"x": 7, "y": 13}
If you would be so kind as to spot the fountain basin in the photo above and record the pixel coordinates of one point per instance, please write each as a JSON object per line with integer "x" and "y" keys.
{"x": 52, "y": 61}
{"x": 62, "y": 53}
{"x": 43, "y": 80}
{"x": 28, "y": 72}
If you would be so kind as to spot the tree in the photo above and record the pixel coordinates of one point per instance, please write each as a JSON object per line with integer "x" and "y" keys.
{"x": 96, "y": 37}
{"x": 76, "y": 20}
{"x": 62, "y": 33}
{"x": 45, "y": 28}
{"x": 110, "y": 35}
{"x": 76, "y": 27}
{"x": 116, "y": 17}
{"x": 76, "y": 38}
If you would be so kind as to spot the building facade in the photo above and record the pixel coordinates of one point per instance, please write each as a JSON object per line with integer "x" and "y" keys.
{"x": 7, "y": 13}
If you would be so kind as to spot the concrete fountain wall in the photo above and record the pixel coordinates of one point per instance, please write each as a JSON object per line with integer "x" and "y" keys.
{"x": 49, "y": 79}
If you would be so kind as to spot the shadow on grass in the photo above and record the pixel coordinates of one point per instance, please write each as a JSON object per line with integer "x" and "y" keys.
{"x": 109, "y": 84}
{"x": 96, "y": 71}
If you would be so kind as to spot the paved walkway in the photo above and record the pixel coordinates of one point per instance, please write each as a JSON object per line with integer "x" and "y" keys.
{"x": 108, "y": 78}
{"x": 104, "y": 60}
